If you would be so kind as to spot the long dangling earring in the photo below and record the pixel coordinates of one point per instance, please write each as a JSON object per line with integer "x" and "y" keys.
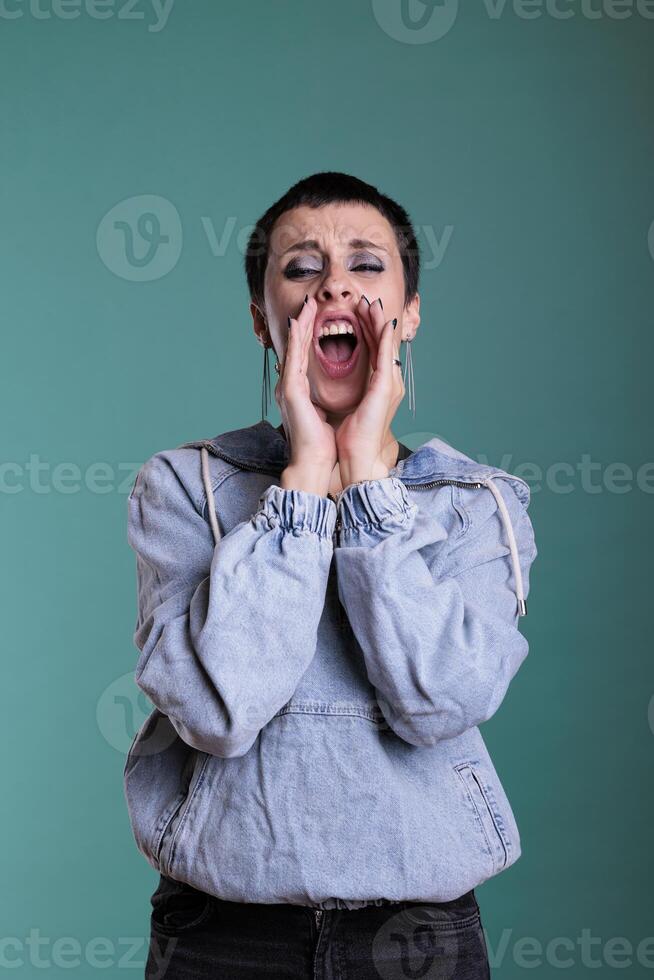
{"x": 265, "y": 386}
{"x": 408, "y": 371}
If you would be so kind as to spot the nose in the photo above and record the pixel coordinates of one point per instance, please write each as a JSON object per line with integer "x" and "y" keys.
{"x": 336, "y": 285}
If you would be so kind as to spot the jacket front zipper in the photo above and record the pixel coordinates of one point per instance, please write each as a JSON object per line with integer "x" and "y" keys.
{"x": 436, "y": 483}
{"x": 415, "y": 486}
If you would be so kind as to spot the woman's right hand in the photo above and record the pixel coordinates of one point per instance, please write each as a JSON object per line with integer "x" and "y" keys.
{"x": 313, "y": 452}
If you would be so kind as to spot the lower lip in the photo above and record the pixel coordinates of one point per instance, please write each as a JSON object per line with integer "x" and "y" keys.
{"x": 337, "y": 369}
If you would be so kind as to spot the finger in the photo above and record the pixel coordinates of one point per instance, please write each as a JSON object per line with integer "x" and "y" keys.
{"x": 363, "y": 310}
{"x": 395, "y": 340}
{"x": 387, "y": 380}
{"x": 304, "y": 330}
{"x": 292, "y": 353}
{"x": 309, "y": 314}
{"x": 396, "y": 365}
{"x": 385, "y": 354}
{"x": 395, "y": 349}
{"x": 377, "y": 317}
{"x": 296, "y": 346}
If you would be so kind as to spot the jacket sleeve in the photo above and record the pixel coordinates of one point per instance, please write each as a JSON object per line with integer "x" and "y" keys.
{"x": 222, "y": 644}
{"x": 440, "y": 640}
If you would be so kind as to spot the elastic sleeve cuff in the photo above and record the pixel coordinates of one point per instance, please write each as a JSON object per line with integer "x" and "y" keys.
{"x": 379, "y": 503}
{"x": 297, "y": 511}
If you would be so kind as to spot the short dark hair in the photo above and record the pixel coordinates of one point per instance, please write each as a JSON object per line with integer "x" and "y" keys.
{"x": 331, "y": 187}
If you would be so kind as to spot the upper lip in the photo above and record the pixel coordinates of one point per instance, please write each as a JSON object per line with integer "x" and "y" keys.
{"x": 335, "y": 314}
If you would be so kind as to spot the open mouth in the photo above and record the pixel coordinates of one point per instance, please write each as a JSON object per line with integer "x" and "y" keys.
{"x": 337, "y": 346}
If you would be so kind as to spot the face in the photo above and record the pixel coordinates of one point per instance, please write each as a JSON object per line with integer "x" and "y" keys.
{"x": 335, "y": 253}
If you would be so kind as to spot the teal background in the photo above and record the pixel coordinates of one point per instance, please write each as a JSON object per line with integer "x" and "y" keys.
{"x": 531, "y": 141}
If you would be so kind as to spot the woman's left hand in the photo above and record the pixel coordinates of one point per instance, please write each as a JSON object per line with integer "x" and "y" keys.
{"x": 359, "y": 437}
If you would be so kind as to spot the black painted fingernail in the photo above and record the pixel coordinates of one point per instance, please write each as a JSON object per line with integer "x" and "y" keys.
{"x": 366, "y": 299}
{"x": 289, "y": 322}
{"x": 380, "y": 302}
{"x": 394, "y": 323}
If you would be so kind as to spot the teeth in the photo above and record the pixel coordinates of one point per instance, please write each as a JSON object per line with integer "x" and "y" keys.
{"x": 336, "y": 327}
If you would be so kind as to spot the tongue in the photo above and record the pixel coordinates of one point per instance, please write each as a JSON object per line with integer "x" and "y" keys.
{"x": 336, "y": 348}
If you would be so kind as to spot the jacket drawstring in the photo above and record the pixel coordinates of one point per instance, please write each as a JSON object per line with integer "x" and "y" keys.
{"x": 522, "y": 604}
{"x": 211, "y": 503}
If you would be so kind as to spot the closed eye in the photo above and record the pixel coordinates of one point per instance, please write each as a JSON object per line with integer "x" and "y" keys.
{"x": 294, "y": 271}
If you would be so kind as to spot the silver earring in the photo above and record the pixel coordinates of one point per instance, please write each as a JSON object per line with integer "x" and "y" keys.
{"x": 408, "y": 371}
{"x": 265, "y": 386}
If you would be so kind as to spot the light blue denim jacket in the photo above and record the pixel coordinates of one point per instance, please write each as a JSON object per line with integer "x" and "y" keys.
{"x": 319, "y": 667}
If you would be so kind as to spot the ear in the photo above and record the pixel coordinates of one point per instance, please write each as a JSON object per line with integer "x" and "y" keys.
{"x": 260, "y": 325}
{"x": 411, "y": 318}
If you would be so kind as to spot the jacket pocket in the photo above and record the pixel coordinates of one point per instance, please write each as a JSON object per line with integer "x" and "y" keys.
{"x": 156, "y": 775}
{"x": 479, "y": 797}
{"x": 173, "y": 819}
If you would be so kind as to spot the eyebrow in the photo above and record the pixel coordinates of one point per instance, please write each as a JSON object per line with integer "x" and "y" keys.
{"x": 313, "y": 244}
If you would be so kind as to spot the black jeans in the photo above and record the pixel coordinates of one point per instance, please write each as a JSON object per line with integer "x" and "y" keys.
{"x": 195, "y": 936}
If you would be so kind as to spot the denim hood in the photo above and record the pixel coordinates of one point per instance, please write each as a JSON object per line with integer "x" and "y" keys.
{"x": 263, "y": 447}
{"x": 319, "y": 667}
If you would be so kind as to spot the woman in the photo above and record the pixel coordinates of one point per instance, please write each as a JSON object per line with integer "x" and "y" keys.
{"x": 324, "y": 619}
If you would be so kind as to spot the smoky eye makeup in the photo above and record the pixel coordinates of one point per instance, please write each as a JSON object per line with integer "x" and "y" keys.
{"x": 297, "y": 268}
{"x": 308, "y": 266}
{"x": 366, "y": 261}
